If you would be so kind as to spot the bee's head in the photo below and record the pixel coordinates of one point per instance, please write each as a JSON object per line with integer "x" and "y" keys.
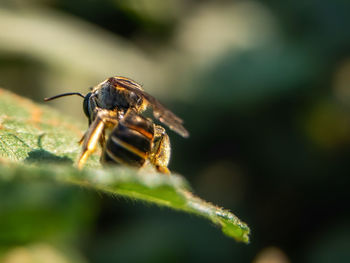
{"x": 86, "y": 105}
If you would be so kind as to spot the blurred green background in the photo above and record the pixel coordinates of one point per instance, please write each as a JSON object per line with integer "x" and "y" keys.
{"x": 264, "y": 89}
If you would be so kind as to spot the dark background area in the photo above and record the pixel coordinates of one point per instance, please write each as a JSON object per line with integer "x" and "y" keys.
{"x": 264, "y": 89}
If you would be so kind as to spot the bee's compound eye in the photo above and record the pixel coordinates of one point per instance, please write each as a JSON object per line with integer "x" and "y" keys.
{"x": 86, "y": 104}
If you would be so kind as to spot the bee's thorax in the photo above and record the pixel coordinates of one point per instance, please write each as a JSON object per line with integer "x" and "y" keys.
{"x": 110, "y": 97}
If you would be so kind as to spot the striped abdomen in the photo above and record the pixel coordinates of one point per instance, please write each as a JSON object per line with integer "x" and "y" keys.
{"x": 130, "y": 142}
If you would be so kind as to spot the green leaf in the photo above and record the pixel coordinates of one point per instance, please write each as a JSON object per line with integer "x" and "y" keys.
{"x": 38, "y": 143}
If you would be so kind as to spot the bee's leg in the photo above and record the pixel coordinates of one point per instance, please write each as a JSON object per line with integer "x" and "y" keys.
{"x": 93, "y": 135}
{"x": 102, "y": 144}
{"x": 160, "y": 152}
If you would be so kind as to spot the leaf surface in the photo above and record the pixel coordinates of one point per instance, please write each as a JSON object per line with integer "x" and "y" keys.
{"x": 38, "y": 143}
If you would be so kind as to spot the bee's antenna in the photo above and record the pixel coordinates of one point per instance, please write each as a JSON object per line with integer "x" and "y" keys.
{"x": 64, "y": 94}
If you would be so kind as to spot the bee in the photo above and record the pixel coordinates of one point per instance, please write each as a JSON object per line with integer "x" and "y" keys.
{"x": 114, "y": 109}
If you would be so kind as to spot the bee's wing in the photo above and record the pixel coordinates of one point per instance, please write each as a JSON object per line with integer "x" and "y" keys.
{"x": 166, "y": 116}
{"x": 159, "y": 111}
